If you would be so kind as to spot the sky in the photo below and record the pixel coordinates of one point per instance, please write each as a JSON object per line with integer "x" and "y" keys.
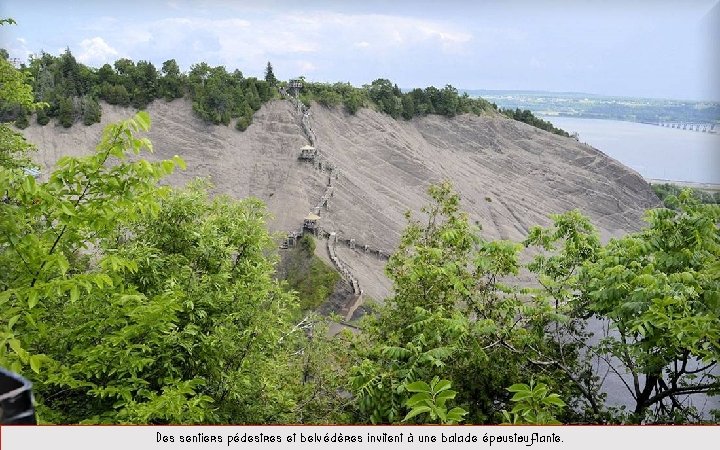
{"x": 658, "y": 49}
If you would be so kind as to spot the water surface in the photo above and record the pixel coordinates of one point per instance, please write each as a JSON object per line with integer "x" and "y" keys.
{"x": 653, "y": 151}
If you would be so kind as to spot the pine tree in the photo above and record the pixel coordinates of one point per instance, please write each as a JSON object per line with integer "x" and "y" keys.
{"x": 269, "y": 75}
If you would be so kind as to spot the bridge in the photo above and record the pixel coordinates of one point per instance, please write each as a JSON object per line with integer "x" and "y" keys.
{"x": 692, "y": 126}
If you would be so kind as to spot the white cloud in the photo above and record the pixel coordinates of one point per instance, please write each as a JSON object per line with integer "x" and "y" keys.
{"x": 292, "y": 41}
{"x": 19, "y": 49}
{"x": 306, "y": 66}
{"x": 376, "y": 30}
{"x": 95, "y": 51}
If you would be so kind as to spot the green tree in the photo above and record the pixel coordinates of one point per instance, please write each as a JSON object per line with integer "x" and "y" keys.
{"x": 657, "y": 293}
{"x": 144, "y": 80}
{"x": 66, "y": 112}
{"x": 307, "y": 244}
{"x": 329, "y": 98}
{"x": 115, "y": 94}
{"x": 561, "y": 253}
{"x": 15, "y": 89}
{"x": 449, "y": 317}
{"x": 269, "y": 75}
{"x": 383, "y": 93}
{"x": 408, "y": 107}
{"x": 90, "y": 110}
{"x": 170, "y": 85}
{"x": 353, "y": 101}
{"x": 449, "y": 102}
{"x": 45, "y": 228}
{"x": 69, "y": 69}
{"x": 42, "y": 117}
{"x": 127, "y": 302}
{"x": 660, "y": 291}
{"x": 21, "y": 119}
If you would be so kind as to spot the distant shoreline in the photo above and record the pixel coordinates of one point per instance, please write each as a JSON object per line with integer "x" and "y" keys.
{"x": 545, "y": 115}
{"x": 603, "y": 107}
{"x": 708, "y": 187}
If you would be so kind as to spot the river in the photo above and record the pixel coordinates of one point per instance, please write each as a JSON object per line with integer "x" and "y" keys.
{"x": 653, "y": 151}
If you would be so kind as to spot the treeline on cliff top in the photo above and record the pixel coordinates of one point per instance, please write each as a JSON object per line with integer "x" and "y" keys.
{"x": 72, "y": 92}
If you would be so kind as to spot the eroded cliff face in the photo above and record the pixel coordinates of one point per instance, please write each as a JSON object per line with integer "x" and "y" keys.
{"x": 510, "y": 175}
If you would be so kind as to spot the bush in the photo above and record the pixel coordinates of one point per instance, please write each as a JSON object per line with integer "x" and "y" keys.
{"x": 42, "y": 117}
{"x": 329, "y": 98}
{"x": 307, "y": 244}
{"x": 91, "y": 111}
{"x": 66, "y": 112}
{"x": 22, "y": 119}
{"x": 242, "y": 123}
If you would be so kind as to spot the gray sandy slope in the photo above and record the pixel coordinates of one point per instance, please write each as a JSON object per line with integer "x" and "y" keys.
{"x": 510, "y": 175}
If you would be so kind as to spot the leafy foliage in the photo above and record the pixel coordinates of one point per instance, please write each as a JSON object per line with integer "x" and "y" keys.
{"x": 219, "y": 97}
{"x": 533, "y": 405}
{"x": 128, "y": 302}
{"x": 16, "y": 99}
{"x": 449, "y": 317}
{"x": 430, "y": 399}
{"x": 73, "y": 90}
{"x": 668, "y": 193}
{"x": 656, "y": 291}
{"x": 307, "y": 275}
{"x": 660, "y": 291}
{"x": 389, "y": 99}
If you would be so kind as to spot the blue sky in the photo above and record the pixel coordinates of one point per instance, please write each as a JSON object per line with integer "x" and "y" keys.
{"x": 648, "y": 48}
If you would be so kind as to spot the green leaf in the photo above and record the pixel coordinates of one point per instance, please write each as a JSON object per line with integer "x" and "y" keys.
{"x": 13, "y": 320}
{"x": 415, "y": 411}
{"x": 66, "y": 209}
{"x": 5, "y": 296}
{"x": 442, "y": 414}
{"x": 30, "y": 320}
{"x": 62, "y": 264}
{"x": 442, "y": 385}
{"x": 554, "y": 399}
{"x": 168, "y": 166}
{"x": 35, "y": 361}
{"x": 518, "y": 387}
{"x": 456, "y": 414}
{"x": 444, "y": 396}
{"x": 29, "y": 185}
{"x": 180, "y": 162}
{"x": 143, "y": 120}
{"x": 521, "y": 395}
{"x": 16, "y": 346}
{"x": 32, "y": 298}
{"x": 418, "y": 398}
{"x": 418, "y": 386}
{"x": 74, "y": 293}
